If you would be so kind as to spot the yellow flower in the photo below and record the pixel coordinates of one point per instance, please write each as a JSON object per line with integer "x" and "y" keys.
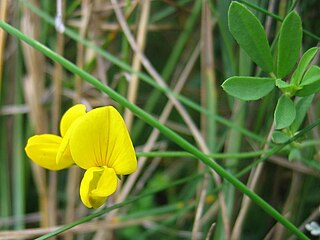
{"x": 97, "y": 141}
{"x": 52, "y": 151}
{"x": 100, "y": 143}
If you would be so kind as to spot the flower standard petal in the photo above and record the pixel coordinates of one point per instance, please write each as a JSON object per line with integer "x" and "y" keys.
{"x": 43, "y": 149}
{"x": 70, "y": 116}
{"x": 100, "y": 138}
{"x": 97, "y": 184}
{"x": 121, "y": 156}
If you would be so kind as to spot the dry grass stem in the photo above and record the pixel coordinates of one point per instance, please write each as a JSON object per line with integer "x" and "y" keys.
{"x": 200, "y": 206}
{"x": 208, "y": 84}
{"x": 211, "y": 231}
{"x": 86, "y": 8}
{"x": 74, "y": 173}
{"x": 136, "y": 64}
{"x": 33, "y": 85}
{"x": 83, "y": 228}
{"x": 56, "y": 114}
{"x": 252, "y": 183}
{"x": 3, "y": 17}
{"x": 294, "y": 166}
{"x": 290, "y": 204}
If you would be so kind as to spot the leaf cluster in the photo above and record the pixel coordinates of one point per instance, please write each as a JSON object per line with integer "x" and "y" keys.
{"x": 299, "y": 87}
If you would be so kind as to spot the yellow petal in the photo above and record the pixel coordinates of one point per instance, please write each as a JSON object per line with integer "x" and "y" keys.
{"x": 43, "y": 149}
{"x": 70, "y": 116}
{"x": 97, "y": 184}
{"x": 100, "y": 138}
{"x": 64, "y": 152}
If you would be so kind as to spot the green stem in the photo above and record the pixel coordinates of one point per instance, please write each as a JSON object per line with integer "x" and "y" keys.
{"x": 118, "y": 205}
{"x": 168, "y": 222}
{"x": 5, "y": 200}
{"x": 155, "y": 123}
{"x": 174, "y": 154}
{"x": 167, "y": 11}
{"x": 166, "y": 209}
{"x": 125, "y": 55}
{"x": 278, "y": 148}
{"x": 278, "y": 18}
{"x": 18, "y": 159}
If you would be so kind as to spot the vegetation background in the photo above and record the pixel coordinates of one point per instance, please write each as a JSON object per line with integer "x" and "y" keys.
{"x": 184, "y": 46}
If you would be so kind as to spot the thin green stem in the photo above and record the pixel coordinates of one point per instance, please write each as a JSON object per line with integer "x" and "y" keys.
{"x": 118, "y": 205}
{"x": 174, "y": 154}
{"x": 220, "y": 13}
{"x": 125, "y": 54}
{"x": 219, "y": 119}
{"x": 309, "y": 143}
{"x": 5, "y": 206}
{"x": 260, "y": 9}
{"x": 18, "y": 160}
{"x": 168, "y": 222}
{"x": 171, "y": 209}
{"x": 184, "y": 144}
{"x": 278, "y": 148}
{"x": 278, "y": 18}
{"x": 5, "y": 197}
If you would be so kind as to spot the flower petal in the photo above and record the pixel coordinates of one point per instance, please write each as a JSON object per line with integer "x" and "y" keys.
{"x": 70, "y": 116}
{"x": 43, "y": 149}
{"x": 100, "y": 138}
{"x": 64, "y": 152}
{"x": 97, "y": 184}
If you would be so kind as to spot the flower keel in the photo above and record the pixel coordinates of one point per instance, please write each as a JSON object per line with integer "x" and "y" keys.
{"x": 97, "y": 184}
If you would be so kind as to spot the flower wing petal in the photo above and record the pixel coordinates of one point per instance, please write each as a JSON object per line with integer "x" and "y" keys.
{"x": 100, "y": 138}
{"x": 43, "y": 149}
{"x": 70, "y": 116}
{"x": 97, "y": 184}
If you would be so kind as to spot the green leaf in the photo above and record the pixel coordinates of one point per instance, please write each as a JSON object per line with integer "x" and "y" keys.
{"x": 289, "y": 45}
{"x": 250, "y": 35}
{"x": 282, "y": 84}
{"x": 286, "y": 88}
{"x": 279, "y": 137}
{"x": 310, "y": 82}
{"x": 285, "y": 112}
{"x": 302, "y": 106}
{"x": 248, "y": 88}
{"x": 303, "y": 64}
